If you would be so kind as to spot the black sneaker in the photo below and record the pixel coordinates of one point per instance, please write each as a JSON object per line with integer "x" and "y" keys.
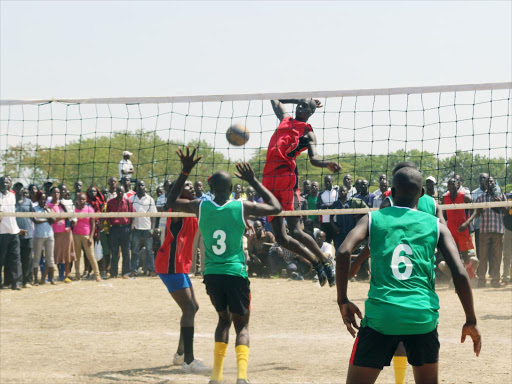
{"x": 331, "y": 278}
{"x": 322, "y": 278}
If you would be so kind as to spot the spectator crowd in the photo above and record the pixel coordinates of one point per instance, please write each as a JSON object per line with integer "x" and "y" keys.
{"x": 54, "y": 247}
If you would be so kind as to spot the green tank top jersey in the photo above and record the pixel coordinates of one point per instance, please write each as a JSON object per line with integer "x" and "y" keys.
{"x": 223, "y": 228}
{"x": 402, "y": 298}
{"x": 426, "y": 204}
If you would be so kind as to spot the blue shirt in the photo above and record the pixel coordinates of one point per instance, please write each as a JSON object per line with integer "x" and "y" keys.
{"x": 368, "y": 199}
{"x": 44, "y": 229}
{"x": 25, "y": 223}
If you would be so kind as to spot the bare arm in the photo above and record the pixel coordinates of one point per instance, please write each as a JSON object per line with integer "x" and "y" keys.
{"x": 439, "y": 213}
{"x": 353, "y": 239}
{"x": 279, "y": 110}
{"x": 447, "y": 246}
{"x": 271, "y": 205}
{"x": 93, "y": 229}
{"x": 182, "y": 205}
{"x": 315, "y": 159}
{"x": 476, "y": 213}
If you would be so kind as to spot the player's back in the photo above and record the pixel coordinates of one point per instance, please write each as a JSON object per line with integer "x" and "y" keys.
{"x": 426, "y": 204}
{"x": 223, "y": 228}
{"x": 402, "y": 298}
{"x": 285, "y": 145}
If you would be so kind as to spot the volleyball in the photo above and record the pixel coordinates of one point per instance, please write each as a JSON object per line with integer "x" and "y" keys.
{"x": 237, "y": 134}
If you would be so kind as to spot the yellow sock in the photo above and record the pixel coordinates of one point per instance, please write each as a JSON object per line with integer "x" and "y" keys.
{"x": 219, "y": 353}
{"x": 242, "y": 360}
{"x": 400, "y": 365}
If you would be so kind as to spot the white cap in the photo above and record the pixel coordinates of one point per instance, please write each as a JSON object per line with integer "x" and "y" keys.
{"x": 433, "y": 179}
{"x": 127, "y": 153}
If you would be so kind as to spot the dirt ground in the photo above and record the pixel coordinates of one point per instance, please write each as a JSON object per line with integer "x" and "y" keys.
{"x": 126, "y": 331}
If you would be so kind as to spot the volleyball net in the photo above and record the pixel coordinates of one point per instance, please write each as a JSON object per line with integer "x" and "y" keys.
{"x": 460, "y": 130}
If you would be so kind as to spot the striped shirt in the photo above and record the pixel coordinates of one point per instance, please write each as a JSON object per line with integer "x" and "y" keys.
{"x": 492, "y": 218}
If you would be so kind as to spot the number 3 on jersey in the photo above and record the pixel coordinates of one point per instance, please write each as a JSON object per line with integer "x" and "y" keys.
{"x": 397, "y": 260}
{"x": 220, "y": 247}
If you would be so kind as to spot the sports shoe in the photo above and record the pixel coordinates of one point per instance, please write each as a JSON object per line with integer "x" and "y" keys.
{"x": 178, "y": 359}
{"x": 196, "y": 366}
{"x": 215, "y": 382}
{"x": 242, "y": 381}
{"x": 104, "y": 275}
{"x": 67, "y": 280}
{"x": 331, "y": 278}
{"x": 322, "y": 278}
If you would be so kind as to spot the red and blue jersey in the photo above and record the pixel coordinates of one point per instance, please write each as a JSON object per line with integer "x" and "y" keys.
{"x": 175, "y": 254}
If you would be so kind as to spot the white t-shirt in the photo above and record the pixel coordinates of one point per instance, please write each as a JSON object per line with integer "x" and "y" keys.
{"x": 144, "y": 204}
{"x": 127, "y": 166}
{"x": 351, "y": 192}
{"x": 8, "y": 224}
{"x": 328, "y": 197}
{"x": 161, "y": 200}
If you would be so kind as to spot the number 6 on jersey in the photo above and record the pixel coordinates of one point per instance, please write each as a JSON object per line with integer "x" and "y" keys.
{"x": 397, "y": 260}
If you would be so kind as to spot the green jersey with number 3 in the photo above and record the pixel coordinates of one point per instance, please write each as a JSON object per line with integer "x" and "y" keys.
{"x": 223, "y": 228}
{"x": 402, "y": 298}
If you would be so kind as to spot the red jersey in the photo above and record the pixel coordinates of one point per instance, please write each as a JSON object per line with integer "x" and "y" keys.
{"x": 456, "y": 217}
{"x": 287, "y": 142}
{"x": 175, "y": 254}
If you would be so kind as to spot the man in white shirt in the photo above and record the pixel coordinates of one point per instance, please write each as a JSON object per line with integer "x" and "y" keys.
{"x": 9, "y": 239}
{"x": 326, "y": 199}
{"x": 125, "y": 165}
{"x": 142, "y": 230}
{"x": 325, "y": 247}
{"x": 378, "y": 192}
{"x": 347, "y": 182}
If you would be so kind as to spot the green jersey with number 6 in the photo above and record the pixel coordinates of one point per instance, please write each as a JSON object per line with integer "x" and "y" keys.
{"x": 402, "y": 298}
{"x": 223, "y": 228}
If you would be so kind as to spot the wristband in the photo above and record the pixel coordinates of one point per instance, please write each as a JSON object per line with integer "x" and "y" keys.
{"x": 185, "y": 173}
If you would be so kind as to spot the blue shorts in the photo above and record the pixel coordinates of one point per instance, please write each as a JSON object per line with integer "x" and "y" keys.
{"x": 176, "y": 281}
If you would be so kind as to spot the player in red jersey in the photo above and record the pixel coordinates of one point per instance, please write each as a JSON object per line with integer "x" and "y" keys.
{"x": 172, "y": 264}
{"x": 455, "y": 218}
{"x": 281, "y": 177}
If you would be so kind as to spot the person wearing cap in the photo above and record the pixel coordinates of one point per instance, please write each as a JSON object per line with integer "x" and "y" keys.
{"x": 125, "y": 165}
{"x": 431, "y": 183}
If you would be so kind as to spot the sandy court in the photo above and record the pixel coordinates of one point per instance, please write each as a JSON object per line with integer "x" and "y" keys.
{"x": 126, "y": 331}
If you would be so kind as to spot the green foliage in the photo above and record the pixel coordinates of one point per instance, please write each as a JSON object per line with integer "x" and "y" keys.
{"x": 93, "y": 160}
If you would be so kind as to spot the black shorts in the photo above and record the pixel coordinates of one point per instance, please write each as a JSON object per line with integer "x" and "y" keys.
{"x": 373, "y": 349}
{"x": 229, "y": 293}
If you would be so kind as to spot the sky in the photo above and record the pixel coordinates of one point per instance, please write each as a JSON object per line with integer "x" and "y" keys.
{"x": 72, "y": 49}
{"x": 118, "y": 49}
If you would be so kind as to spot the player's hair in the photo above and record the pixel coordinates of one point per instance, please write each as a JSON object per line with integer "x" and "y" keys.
{"x": 403, "y": 164}
{"x": 407, "y": 182}
{"x": 221, "y": 183}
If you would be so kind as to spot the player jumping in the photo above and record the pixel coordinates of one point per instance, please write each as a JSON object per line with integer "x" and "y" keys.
{"x": 281, "y": 177}
{"x": 222, "y": 224}
{"x": 402, "y": 305}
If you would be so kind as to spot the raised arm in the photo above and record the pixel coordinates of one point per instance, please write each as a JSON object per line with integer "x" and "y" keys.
{"x": 447, "y": 246}
{"x": 315, "y": 159}
{"x": 271, "y": 205}
{"x": 349, "y": 310}
{"x": 279, "y": 110}
{"x": 187, "y": 164}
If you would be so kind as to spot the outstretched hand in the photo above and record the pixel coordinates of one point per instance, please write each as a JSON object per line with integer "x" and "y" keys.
{"x": 333, "y": 167}
{"x": 245, "y": 171}
{"x": 348, "y": 311}
{"x": 472, "y": 331}
{"x": 318, "y": 103}
{"x": 187, "y": 159}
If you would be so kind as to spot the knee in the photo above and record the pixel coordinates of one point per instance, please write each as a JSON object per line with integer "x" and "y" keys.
{"x": 296, "y": 232}
{"x": 282, "y": 239}
{"x": 191, "y": 309}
